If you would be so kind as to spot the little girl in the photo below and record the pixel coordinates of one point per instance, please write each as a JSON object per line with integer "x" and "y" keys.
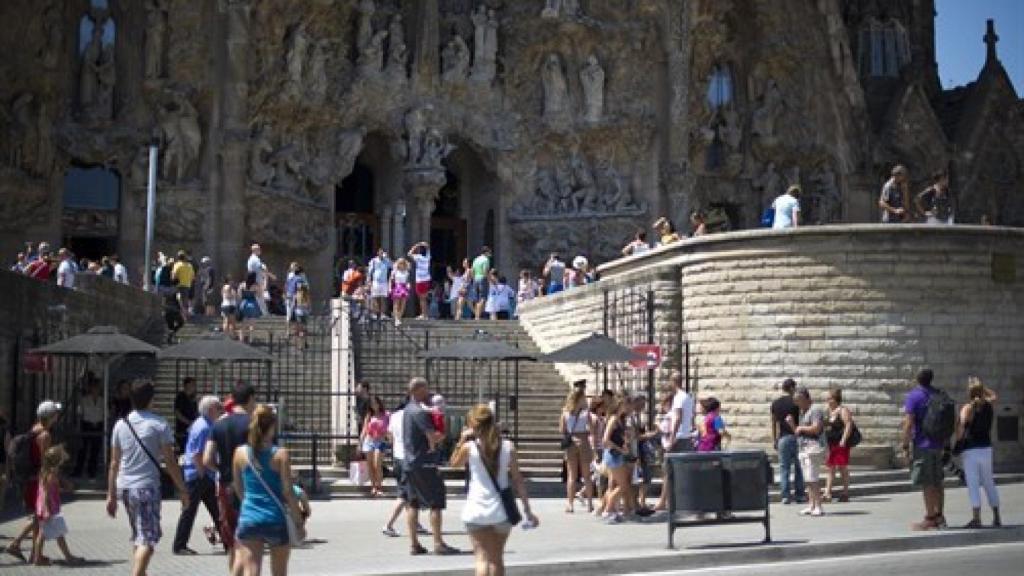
{"x": 51, "y": 522}
{"x": 301, "y": 315}
{"x": 399, "y": 289}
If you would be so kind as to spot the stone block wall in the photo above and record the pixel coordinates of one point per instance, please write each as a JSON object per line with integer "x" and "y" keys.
{"x": 861, "y": 308}
{"x": 40, "y": 311}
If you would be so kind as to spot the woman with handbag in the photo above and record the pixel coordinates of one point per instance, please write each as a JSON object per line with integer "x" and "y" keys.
{"x": 574, "y": 425}
{"x": 840, "y": 431}
{"x": 494, "y": 483}
{"x": 974, "y": 441}
{"x": 269, "y": 516}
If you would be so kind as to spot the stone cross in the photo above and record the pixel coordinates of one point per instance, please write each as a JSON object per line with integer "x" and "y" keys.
{"x": 991, "y": 38}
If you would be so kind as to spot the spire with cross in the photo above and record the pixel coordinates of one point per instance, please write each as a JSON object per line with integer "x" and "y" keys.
{"x": 991, "y": 38}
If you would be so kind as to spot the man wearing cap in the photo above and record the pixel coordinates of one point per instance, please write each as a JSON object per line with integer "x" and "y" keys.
{"x": 139, "y": 443}
{"x": 47, "y": 414}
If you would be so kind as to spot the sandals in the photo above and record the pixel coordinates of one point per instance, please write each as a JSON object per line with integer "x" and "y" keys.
{"x": 417, "y": 550}
{"x": 445, "y": 550}
{"x": 16, "y": 552}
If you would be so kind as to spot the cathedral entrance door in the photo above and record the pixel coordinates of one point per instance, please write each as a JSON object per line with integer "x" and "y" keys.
{"x": 448, "y": 245}
{"x": 357, "y": 224}
{"x": 90, "y": 220}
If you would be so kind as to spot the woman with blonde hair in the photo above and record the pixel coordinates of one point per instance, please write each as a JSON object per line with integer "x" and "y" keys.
{"x": 974, "y": 437}
{"x": 616, "y": 448}
{"x": 262, "y": 482}
{"x": 574, "y": 425}
{"x": 399, "y": 289}
{"x": 493, "y": 467}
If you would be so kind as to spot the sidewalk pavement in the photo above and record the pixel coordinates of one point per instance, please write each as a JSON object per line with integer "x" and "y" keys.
{"x": 347, "y": 539}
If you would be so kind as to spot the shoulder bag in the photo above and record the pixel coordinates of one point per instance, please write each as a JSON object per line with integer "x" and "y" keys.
{"x": 508, "y": 497}
{"x": 566, "y": 441}
{"x": 295, "y": 534}
{"x": 166, "y": 484}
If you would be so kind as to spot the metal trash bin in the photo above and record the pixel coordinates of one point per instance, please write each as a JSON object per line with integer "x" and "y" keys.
{"x": 718, "y": 483}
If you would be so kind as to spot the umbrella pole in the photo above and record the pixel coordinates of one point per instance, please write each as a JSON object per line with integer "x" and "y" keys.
{"x": 106, "y": 413}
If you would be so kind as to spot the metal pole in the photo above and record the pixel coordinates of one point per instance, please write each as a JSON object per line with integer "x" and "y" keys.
{"x": 150, "y": 217}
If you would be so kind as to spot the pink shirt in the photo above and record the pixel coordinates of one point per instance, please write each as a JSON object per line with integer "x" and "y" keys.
{"x": 378, "y": 426}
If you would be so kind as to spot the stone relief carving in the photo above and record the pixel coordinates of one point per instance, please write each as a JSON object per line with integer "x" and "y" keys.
{"x": 370, "y": 43}
{"x": 297, "y": 228}
{"x": 98, "y": 75}
{"x": 561, "y": 9}
{"x": 156, "y": 32}
{"x": 295, "y": 59}
{"x": 182, "y": 216}
{"x": 29, "y": 145}
{"x": 592, "y": 79}
{"x": 455, "y": 59}
{"x": 768, "y": 182}
{"x": 485, "y": 44}
{"x": 261, "y": 172}
{"x": 316, "y": 79}
{"x": 53, "y": 36}
{"x": 556, "y": 91}
{"x": 182, "y": 138}
{"x": 763, "y": 119}
{"x": 826, "y": 198}
{"x": 573, "y": 191}
{"x": 398, "y": 51}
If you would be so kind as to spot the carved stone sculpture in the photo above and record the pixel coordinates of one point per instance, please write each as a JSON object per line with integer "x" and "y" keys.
{"x": 485, "y": 44}
{"x": 415, "y": 129}
{"x": 182, "y": 138}
{"x": 398, "y": 52}
{"x": 53, "y": 36}
{"x": 295, "y": 60}
{"x": 23, "y": 137}
{"x": 561, "y": 8}
{"x": 316, "y": 77}
{"x": 763, "y": 119}
{"x": 827, "y": 197}
{"x": 364, "y": 30}
{"x": 260, "y": 170}
{"x": 592, "y": 79}
{"x": 585, "y": 195}
{"x": 156, "y": 32}
{"x": 455, "y": 59}
{"x": 371, "y": 60}
{"x": 107, "y": 77}
{"x": 288, "y": 163}
{"x": 556, "y": 91}
{"x": 435, "y": 149}
{"x": 572, "y": 191}
{"x": 88, "y": 85}
{"x": 769, "y": 182}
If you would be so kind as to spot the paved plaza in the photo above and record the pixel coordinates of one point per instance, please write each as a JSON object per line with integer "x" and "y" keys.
{"x": 348, "y": 539}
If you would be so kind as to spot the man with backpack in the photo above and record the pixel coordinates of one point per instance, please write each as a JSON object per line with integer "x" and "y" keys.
{"x": 928, "y": 422}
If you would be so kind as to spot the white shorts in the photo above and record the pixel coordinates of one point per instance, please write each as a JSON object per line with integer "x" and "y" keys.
{"x": 810, "y": 464}
{"x": 379, "y": 290}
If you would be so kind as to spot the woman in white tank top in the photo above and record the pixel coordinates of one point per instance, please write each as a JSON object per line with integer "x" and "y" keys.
{"x": 575, "y": 425}
{"x": 489, "y": 459}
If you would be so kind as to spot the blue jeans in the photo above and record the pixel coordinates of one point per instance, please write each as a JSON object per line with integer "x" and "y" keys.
{"x": 787, "y": 448}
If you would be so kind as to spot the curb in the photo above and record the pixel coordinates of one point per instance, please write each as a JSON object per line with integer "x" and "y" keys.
{"x": 729, "y": 555}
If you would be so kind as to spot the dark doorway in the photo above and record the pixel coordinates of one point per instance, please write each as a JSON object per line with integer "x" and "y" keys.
{"x": 90, "y": 220}
{"x": 447, "y": 228}
{"x": 358, "y": 226}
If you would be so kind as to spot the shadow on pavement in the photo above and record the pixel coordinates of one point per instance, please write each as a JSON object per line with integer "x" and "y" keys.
{"x": 847, "y": 513}
{"x": 731, "y": 545}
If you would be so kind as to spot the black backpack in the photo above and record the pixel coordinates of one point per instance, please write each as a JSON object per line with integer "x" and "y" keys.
{"x": 19, "y": 453}
{"x": 939, "y": 417}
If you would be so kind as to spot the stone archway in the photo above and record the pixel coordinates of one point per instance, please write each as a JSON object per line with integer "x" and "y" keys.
{"x": 458, "y": 226}
{"x": 368, "y": 209}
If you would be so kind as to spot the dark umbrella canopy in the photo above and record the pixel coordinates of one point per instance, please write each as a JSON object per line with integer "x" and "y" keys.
{"x": 594, "y": 349}
{"x": 476, "y": 349}
{"x": 214, "y": 348}
{"x": 99, "y": 340}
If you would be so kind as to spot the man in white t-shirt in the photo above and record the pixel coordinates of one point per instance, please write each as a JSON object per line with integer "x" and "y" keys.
{"x": 787, "y": 209}
{"x": 66, "y": 270}
{"x": 420, "y": 254}
{"x": 256, "y": 266}
{"x": 682, "y": 416}
{"x": 120, "y": 272}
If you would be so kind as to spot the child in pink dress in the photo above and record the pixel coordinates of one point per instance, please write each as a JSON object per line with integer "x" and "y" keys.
{"x": 47, "y": 509}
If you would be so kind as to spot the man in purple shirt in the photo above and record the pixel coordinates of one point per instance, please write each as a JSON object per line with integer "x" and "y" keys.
{"x": 926, "y": 457}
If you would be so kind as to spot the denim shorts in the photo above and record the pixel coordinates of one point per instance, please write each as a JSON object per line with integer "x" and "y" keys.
{"x": 612, "y": 459}
{"x": 272, "y": 534}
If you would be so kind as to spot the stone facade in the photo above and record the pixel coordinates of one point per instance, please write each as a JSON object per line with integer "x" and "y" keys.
{"x": 323, "y": 129}
{"x": 861, "y": 308}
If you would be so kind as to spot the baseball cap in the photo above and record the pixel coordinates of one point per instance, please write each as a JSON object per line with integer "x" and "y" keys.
{"x": 48, "y": 408}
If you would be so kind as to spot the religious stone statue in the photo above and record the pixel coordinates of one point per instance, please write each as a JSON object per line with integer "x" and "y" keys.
{"x": 156, "y": 32}
{"x": 415, "y": 128}
{"x": 556, "y": 91}
{"x": 455, "y": 59}
{"x": 106, "y": 72}
{"x": 399, "y": 52}
{"x": 53, "y": 35}
{"x": 485, "y": 44}
{"x": 23, "y": 137}
{"x": 435, "y": 149}
{"x": 288, "y": 164}
{"x": 371, "y": 59}
{"x": 585, "y": 192}
{"x": 364, "y": 31}
{"x": 88, "y": 85}
{"x": 182, "y": 138}
{"x": 316, "y": 77}
{"x": 768, "y": 182}
{"x": 260, "y": 170}
{"x": 827, "y": 197}
{"x": 559, "y": 8}
{"x": 295, "y": 60}
{"x": 615, "y": 195}
{"x": 592, "y": 79}
{"x": 545, "y": 193}
{"x": 762, "y": 123}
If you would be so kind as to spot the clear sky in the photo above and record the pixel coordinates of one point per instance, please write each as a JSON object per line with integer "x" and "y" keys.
{"x": 959, "y": 28}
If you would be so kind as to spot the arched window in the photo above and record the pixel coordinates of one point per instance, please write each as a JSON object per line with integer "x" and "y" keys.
{"x": 720, "y": 89}
{"x": 884, "y": 49}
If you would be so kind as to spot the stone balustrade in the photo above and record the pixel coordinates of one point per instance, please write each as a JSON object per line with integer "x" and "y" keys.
{"x": 857, "y": 307}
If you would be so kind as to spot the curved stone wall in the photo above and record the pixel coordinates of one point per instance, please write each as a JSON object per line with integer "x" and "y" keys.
{"x": 861, "y": 308}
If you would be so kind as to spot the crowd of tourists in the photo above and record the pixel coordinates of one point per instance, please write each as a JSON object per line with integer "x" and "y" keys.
{"x": 43, "y": 263}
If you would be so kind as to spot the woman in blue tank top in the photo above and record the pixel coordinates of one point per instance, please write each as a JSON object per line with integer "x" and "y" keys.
{"x": 261, "y": 470}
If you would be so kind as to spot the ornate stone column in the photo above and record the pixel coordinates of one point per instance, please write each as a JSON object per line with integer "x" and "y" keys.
{"x": 422, "y": 186}
{"x": 386, "y": 229}
{"x": 398, "y": 229}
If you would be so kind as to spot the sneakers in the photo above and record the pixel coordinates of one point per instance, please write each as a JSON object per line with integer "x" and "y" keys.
{"x": 612, "y": 519}
{"x": 812, "y": 512}
{"x": 806, "y": 511}
{"x": 390, "y": 532}
{"x": 786, "y": 501}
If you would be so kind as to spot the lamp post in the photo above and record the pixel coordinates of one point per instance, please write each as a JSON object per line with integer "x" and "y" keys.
{"x": 150, "y": 216}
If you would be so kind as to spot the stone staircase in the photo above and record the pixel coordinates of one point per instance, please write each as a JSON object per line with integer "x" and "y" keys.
{"x": 388, "y": 358}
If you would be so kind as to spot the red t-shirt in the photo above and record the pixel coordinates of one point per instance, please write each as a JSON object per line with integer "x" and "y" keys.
{"x": 38, "y": 269}
{"x": 437, "y": 417}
